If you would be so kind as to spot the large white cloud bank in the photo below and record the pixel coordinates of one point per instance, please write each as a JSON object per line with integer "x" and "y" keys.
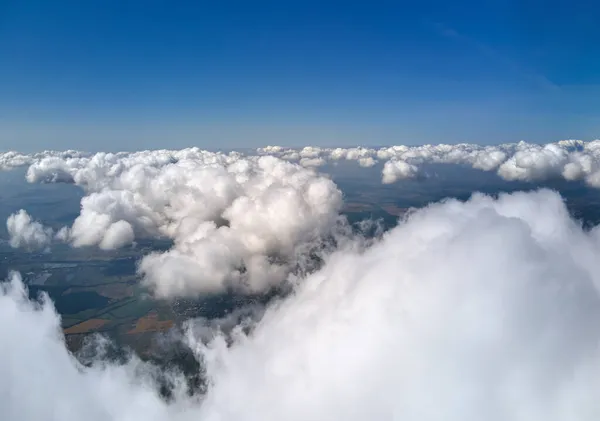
{"x": 484, "y": 310}
{"x": 236, "y": 222}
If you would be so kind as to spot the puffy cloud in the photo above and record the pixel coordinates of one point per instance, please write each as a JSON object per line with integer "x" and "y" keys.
{"x": 26, "y": 233}
{"x": 117, "y": 235}
{"x": 532, "y": 162}
{"x": 482, "y": 310}
{"x": 13, "y": 159}
{"x": 249, "y": 240}
{"x": 311, "y": 152}
{"x": 395, "y": 170}
{"x": 487, "y": 309}
{"x": 236, "y": 222}
{"x": 312, "y": 162}
{"x": 367, "y": 162}
{"x": 270, "y": 150}
{"x": 41, "y": 380}
{"x": 107, "y": 216}
{"x": 571, "y": 159}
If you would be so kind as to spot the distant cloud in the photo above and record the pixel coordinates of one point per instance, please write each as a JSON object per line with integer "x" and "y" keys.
{"x": 569, "y": 159}
{"x": 26, "y": 233}
{"x": 13, "y": 159}
{"x": 394, "y": 170}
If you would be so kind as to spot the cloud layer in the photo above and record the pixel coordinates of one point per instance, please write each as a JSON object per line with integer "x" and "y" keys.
{"x": 487, "y": 309}
{"x": 570, "y": 159}
{"x": 241, "y": 221}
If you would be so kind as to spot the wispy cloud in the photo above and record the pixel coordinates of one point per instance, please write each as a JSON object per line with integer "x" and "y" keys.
{"x": 537, "y": 79}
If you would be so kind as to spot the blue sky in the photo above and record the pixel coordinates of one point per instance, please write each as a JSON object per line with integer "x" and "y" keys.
{"x": 224, "y": 74}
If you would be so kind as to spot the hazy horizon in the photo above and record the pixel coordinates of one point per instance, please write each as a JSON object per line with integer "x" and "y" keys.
{"x": 153, "y": 74}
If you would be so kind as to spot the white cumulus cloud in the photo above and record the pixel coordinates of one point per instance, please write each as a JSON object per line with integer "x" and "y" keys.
{"x": 570, "y": 159}
{"x": 395, "y": 170}
{"x": 236, "y": 222}
{"x": 26, "y": 233}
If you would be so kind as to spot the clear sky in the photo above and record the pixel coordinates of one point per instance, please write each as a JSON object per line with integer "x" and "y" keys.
{"x": 131, "y": 74}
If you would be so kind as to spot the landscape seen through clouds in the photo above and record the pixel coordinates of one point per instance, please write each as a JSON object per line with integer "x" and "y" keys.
{"x": 98, "y": 291}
